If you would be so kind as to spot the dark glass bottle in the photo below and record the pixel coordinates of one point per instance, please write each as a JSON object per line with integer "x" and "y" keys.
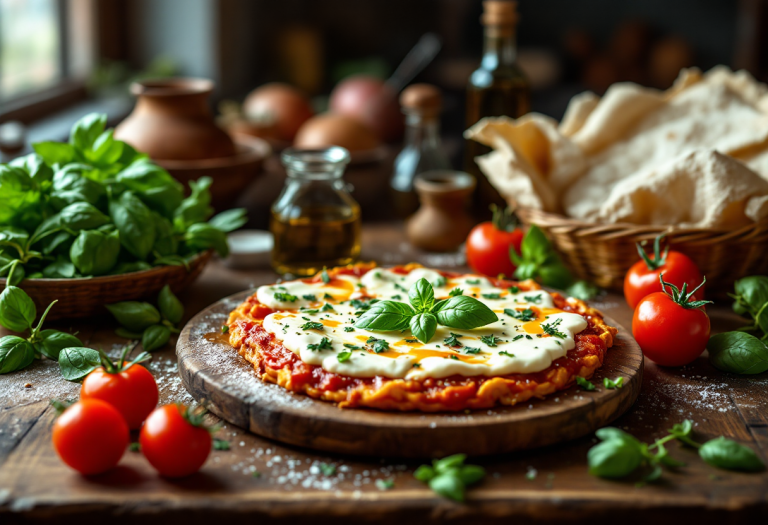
{"x": 498, "y": 87}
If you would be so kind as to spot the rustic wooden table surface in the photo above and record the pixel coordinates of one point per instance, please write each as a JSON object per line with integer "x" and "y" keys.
{"x": 548, "y": 484}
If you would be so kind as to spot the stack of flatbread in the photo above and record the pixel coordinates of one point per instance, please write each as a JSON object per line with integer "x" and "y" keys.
{"x": 695, "y": 155}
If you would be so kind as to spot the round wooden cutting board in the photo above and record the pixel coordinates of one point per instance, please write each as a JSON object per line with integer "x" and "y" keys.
{"x": 215, "y": 374}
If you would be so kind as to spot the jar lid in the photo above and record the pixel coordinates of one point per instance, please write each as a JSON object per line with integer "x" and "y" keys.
{"x": 424, "y": 98}
{"x": 499, "y": 13}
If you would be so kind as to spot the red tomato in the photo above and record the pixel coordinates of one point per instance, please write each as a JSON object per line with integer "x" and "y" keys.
{"x": 671, "y": 330}
{"x": 133, "y": 392}
{"x": 643, "y": 277}
{"x": 172, "y": 444}
{"x": 488, "y": 245}
{"x": 90, "y": 436}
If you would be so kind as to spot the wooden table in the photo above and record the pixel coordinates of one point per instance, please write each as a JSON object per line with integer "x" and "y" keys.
{"x": 35, "y": 486}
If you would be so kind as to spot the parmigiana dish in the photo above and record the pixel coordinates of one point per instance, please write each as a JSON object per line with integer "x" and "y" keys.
{"x": 301, "y": 335}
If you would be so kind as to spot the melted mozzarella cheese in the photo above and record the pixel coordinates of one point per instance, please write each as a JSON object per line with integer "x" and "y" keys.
{"x": 316, "y": 321}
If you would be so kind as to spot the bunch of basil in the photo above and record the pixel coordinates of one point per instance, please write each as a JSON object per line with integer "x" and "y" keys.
{"x": 18, "y": 313}
{"x": 538, "y": 260}
{"x": 745, "y": 351}
{"x": 95, "y": 206}
{"x": 154, "y": 326}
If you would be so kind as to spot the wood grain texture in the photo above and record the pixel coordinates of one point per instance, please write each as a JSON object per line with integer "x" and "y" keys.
{"x": 276, "y": 413}
{"x": 35, "y": 487}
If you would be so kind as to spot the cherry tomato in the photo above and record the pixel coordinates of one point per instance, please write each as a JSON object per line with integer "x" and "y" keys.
{"x": 488, "y": 244}
{"x": 672, "y": 330}
{"x": 132, "y": 391}
{"x": 174, "y": 441}
{"x": 643, "y": 277}
{"x": 90, "y": 436}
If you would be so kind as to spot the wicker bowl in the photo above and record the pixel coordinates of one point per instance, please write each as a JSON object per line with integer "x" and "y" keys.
{"x": 87, "y": 296}
{"x": 602, "y": 253}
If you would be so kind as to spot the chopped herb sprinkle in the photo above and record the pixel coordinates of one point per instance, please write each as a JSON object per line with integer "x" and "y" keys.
{"x": 473, "y": 281}
{"x": 343, "y": 356}
{"x": 285, "y": 297}
{"x": 309, "y": 297}
{"x": 551, "y": 328}
{"x": 521, "y": 315}
{"x": 453, "y": 340}
{"x": 490, "y": 340}
{"x": 491, "y": 296}
{"x": 324, "y": 344}
{"x": 535, "y": 299}
{"x": 513, "y": 289}
{"x": 327, "y": 307}
{"x": 324, "y": 276}
{"x": 454, "y": 356}
{"x": 312, "y": 325}
{"x": 377, "y": 345}
{"x": 507, "y": 354}
{"x": 455, "y": 292}
{"x": 349, "y": 329}
{"x": 470, "y": 350}
{"x": 352, "y": 347}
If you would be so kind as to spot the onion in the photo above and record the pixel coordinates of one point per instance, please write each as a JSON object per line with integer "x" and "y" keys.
{"x": 330, "y": 129}
{"x": 279, "y": 108}
{"x": 370, "y": 101}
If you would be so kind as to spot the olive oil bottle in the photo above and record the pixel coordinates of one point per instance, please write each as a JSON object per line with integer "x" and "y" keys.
{"x": 315, "y": 221}
{"x": 498, "y": 87}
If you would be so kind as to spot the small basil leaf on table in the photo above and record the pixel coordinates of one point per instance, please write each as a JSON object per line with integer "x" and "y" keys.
{"x": 95, "y": 252}
{"x": 135, "y": 223}
{"x": 78, "y": 362}
{"x": 50, "y": 343}
{"x": 135, "y": 315}
{"x": 15, "y": 354}
{"x": 463, "y": 312}
{"x": 230, "y": 220}
{"x": 423, "y": 326}
{"x": 448, "y": 486}
{"x": 156, "y": 336}
{"x": 386, "y": 316}
{"x": 728, "y": 454}
{"x": 449, "y": 462}
{"x": 17, "y": 311}
{"x": 422, "y": 295}
{"x": 170, "y": 306}
{"x": 424, "y": 473}
{"x": 753, "y": 291}
{"x": 738, "y": 352}
{"x": 617, "y": 456}
{"x": 470, "y": 474}
{"x": 202, "y": 236}
{"x": 124, "y": 332}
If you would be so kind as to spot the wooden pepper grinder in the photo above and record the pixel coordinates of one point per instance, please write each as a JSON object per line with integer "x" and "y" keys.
{"x": 442, "y": 223}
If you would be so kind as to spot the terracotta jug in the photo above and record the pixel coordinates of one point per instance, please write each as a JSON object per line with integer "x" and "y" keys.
{"x": 172, "y": 121}
{"x": 442, "y": 222}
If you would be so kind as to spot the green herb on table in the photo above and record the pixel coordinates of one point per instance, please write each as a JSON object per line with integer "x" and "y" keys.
{"x": 585, "y": 384}
{"x": 521, "y": 315}
{"x": 449, "y": 477}
{"x": 424, "y": 313}
{"x": 385, "y": 484}
{"x": 327, "y": 469}
{"x": 220, "y": 444}
{"x": 453, "y": 340}
{"x": 456, "y": 291}
{"x": 343, "y": 357}
{"x": 490, "y": 340}
{"x": 255, "y": 474}
{"x": 155, "y": 325}
{"x": 620, "y": 454}
{"x": 613, "y": 383}
{"x": 324, "y": 344}
{"x": 551, "y": 328}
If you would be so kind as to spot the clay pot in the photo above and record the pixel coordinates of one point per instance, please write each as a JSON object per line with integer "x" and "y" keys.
{"x": 442, "y": 222}
{"x": 172, "y": 121}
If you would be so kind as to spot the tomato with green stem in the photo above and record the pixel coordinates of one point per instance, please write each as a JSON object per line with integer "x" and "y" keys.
{"x": 489, "y": 243}
{"x": 643, "y": 277}
{"x": 90, "y": 436}
{"x": 175, "y": 441}
{"x": 672, "y": 329}
{"x": 129, "y": 387}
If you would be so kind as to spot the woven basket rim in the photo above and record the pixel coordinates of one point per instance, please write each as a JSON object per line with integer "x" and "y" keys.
{"x": 106, "y": 279}
{"x": 638, "y": 228}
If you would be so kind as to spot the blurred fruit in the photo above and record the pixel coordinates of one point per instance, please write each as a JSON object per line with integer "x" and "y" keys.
{"x": 330, "y": 129}
{"x": 278, "y": 108}
{"x": 370, "y": 101}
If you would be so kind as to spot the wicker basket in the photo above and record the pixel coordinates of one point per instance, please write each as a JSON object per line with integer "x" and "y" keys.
{"x": 87, "y": 297}
{"x": 602, "y": 253}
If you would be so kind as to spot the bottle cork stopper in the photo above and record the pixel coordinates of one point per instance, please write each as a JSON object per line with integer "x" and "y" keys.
{"x": 424, "y": 98}
{"x": 499, "y": 13}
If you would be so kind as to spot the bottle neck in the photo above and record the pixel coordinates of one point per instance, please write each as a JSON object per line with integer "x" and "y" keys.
{"x": 499, "y": 48}
{"x": 422, "y": 131}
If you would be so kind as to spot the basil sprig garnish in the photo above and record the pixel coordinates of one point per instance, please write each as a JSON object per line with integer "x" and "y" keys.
{"x": 424, "y": 313}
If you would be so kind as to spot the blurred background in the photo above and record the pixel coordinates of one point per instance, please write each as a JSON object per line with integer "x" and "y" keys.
{"x": 60, "y": 59}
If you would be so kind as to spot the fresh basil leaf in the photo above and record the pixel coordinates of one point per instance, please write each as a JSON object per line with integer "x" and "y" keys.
{"x": 15, "y": 354}
{"x": 753, "y": 290}
{"x": 195, "y": 208}
{"x": 343, "y": 357}
{"x": 422, "y": 295}
{"x": 166, "y": 240}
{"x": 170, "y": 306}
{"x": 54, "y": 152}
{"x": 18, "y": 273}
{"x": 463, "y": 312}
{"x": 535, "y": 246}
{"x": 81, "y": 216}
{"x": 94, "y": 252}
{"x": 17, "y": 311}
{"x": 424, "y": 473}
{"x": 105, "y": 150}
{"x": 608, "y": 433}
{"x": 738, "y": 352}
{"x": 38, "y": 170}
{"x": 423, "y": 326}
{"x": 154, "y": 337}
{"x": 135, "y": 223}
{"x": 615, "y": 458}
{"x": 76, "y": 363}
{"x": 130, "y": 267}
{"x": 583, "y": 290}
{"x": 69, "y": 186}
{"x": 728, "y": 454}
{"x": 50, "y": 343}
{"x": 202, "y": 236}
{"x": 86, "y": 130}
{"x": 153, "y": 185}
{"x": 448, "y": 486}
{"x": 449, "y": 462}
{"x": 17, "y": 193}
{"x": 555, "y": 275}
{"x": 471, "y": 474}
{"x": 386, "y": 316}
{"x": 134, "y": 315}
{"x": 229, "y": 220}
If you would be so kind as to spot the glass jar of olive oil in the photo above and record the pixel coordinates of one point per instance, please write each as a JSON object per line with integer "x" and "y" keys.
{"x": 315, "y": 221}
